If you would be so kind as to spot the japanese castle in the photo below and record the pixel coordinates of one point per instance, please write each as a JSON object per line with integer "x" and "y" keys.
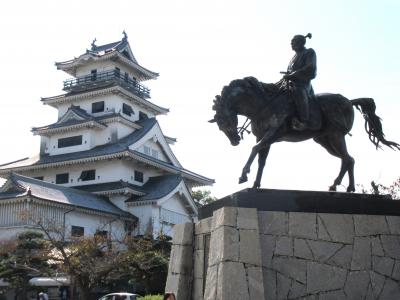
{"x": 105, "y": 165}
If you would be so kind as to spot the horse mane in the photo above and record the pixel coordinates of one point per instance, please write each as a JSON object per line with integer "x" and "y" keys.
{"x": 250, "y": 85}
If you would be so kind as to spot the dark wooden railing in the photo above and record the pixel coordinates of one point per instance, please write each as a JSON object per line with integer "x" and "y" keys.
{"x": 101, "y": 79}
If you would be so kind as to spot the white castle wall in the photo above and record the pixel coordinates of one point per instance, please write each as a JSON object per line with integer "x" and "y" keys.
{"x": 9, "y": 233}
{"x": 90, "y": 138}
{"x": 161, "y": 218}
{"x": 52, "y": 142}
{"x": 92, "y": 223}
{"x": 112, "y": 103}
{"x": 152, "y": 147}
{"x": 103, "y": 66}
{"x": 119, "y": 201}
{"x": 170, "y": 213}
{"x": 106, "y": 171}
{"x": 23, "y": 215}
{"x": 145, "y": 215}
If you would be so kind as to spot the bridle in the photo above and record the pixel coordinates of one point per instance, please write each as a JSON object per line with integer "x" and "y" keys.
{"x": 243, "y": 128}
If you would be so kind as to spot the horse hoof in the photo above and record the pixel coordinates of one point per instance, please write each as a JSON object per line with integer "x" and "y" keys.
{"x": 351, "y": 189}
{"x": 332, "y": 188}
{"x": 242, "y": 179}
{"x": 256, "y": 185}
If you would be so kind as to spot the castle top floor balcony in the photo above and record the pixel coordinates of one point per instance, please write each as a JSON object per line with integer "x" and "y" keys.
{"x": 103, "y": 79}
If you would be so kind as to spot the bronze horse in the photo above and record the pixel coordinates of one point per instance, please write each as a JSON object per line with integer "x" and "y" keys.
{"x": 271, "y": 112}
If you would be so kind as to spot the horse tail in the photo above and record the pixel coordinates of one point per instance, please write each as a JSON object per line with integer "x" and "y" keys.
{"x": 373, "y": 124}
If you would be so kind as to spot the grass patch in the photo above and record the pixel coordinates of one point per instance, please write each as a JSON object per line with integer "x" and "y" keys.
{"x": 151, "y": 297}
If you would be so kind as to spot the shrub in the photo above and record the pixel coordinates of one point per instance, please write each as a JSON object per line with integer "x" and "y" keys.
{"x": 151, "y": 297}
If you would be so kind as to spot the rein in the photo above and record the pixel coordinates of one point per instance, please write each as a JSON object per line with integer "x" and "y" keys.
{"x": 243, "y": 128}
{"x": 282, "y": 86}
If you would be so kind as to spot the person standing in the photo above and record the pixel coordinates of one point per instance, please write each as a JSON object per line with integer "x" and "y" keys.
{"x": 169, "y": 296}
{"x": 43, "y": 296}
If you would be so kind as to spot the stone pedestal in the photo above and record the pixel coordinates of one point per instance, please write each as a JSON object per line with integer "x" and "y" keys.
{"x": 269, "y": 244}
{"x": 180, "y": 271}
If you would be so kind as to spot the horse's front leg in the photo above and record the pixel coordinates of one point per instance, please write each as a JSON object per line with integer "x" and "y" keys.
{"x": 262, "y": 157}
{"x": 264, "y": 143}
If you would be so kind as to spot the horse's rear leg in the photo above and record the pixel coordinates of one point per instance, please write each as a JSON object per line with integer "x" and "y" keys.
{"x": 262, "y": 157}
{"x": 338, "y": 143}
{"x": 335, "y": 144}
{"x": 339, "y": 178}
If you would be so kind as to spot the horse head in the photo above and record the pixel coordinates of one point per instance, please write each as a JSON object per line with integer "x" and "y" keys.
{"x": 241, "y": 97}
{"x": 226, "y": 120}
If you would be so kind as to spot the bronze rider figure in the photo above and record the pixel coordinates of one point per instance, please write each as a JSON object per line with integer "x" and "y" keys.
{"x": 301, "y": 70}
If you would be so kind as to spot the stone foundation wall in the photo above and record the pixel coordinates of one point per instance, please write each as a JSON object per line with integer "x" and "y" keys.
{"x": 330, "y": 256}
{"x": 180, "y": 270}
{"x": 242, "y": 253}
{"x": 234, "y": 261}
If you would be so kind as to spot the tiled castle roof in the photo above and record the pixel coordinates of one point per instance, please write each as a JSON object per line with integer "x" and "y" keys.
{"x": 119, "y": 148}
{"x": 18, "y": 185}
{"x": 117, "y": 50}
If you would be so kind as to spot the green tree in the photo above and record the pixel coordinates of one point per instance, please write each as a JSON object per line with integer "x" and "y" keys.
{"x": 96, "y": 262}
{"x": 88, "y": 261}
{"x": 147, "y": 262}
{"x": 22, "y": 259}
{"x": 203, "y": 197}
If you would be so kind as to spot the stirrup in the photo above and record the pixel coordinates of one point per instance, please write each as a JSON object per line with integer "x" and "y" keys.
{"x": 298, "y": 125}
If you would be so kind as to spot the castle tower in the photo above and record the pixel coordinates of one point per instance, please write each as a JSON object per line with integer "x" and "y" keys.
{"x": 107, "y": 141}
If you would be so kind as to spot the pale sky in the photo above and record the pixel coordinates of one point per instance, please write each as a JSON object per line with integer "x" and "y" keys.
{"x": 198, "y": 47}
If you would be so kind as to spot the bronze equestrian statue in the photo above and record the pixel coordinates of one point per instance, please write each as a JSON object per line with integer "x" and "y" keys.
{"x": 274, "y": 113}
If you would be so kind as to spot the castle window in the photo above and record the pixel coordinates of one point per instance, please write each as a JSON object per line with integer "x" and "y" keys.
{"x": 143, "y": 116}
{"x": 88, "y": 175}
{"x": 117, "y": 72}
{"x": 126, "y": 77}
{"x": 62, "y": 178}
{"x": 154, "y": 153}
{"x": 70, "y": 141}
{"x": 126, "y": 54}
{"x": 127, "y": 109}
{"x": 97, "y": 107}
{"x": 93, "y": 75}
{"x": 138, "y": 176}
{"x": 77, "y": 231}
{"x": 147, "y": 150}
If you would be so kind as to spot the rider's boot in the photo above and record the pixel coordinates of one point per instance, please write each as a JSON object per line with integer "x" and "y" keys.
{"x": 298, "y": 125}
{"x": 301, "y": 100}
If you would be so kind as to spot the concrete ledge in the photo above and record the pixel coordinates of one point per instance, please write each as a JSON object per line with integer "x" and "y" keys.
{"x": 306, "y": 201}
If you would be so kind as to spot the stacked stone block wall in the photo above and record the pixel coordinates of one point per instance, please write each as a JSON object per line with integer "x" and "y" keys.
{"x": 201, "y": 253}
{"x": 242, "y": 253}
{"x": 180, "y": 271}
{"x": 330, "y": 256}
{"x": 234, "y": 262}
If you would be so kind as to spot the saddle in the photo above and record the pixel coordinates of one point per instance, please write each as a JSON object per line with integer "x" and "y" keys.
{"x": 282, "y": 88}
{"x": 315, "y": 120}
{"x": 326, "y": 111}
